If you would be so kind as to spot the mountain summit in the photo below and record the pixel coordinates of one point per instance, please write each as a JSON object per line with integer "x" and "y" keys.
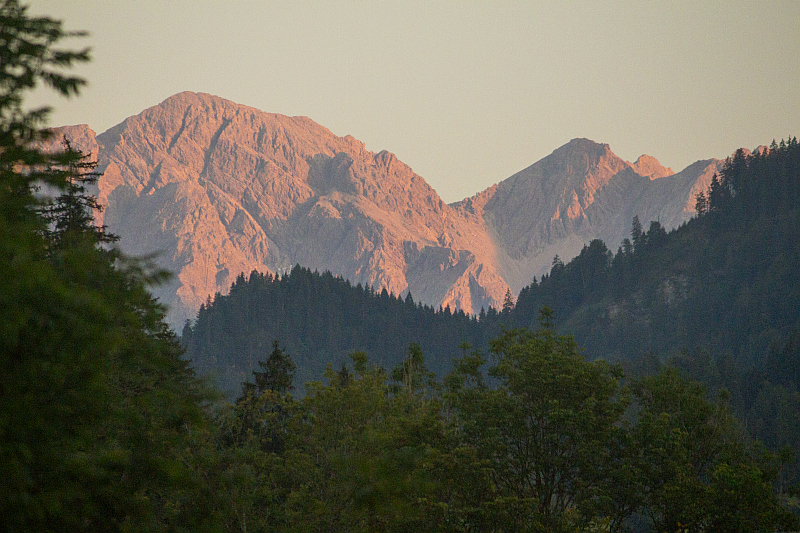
{"x": 217, "y": 188}
{"x": 649, "y": 167}
{"x": 580, "y": 192}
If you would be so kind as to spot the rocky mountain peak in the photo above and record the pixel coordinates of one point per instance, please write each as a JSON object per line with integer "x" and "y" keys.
{"x": 649, "y": 167}
{"x": 217, "y": 188}
{"x": 81, "y": 138}
{"x": 587, "y": 167}
{"x": 579, "y": 192}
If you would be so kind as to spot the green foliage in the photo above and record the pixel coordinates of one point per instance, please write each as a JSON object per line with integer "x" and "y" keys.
{"x": 371, "y": 448}
{"x": 412, "y": 374}
{"x": 544, "y": 432}
{"x": 95, "y": 400}
{"x": 538, "y": 441}
{"x": 247, "y": 473}
{"x": 278, "y": 373}
{"x": 354, "y": 458}
{"x": 320, "y": 319}
{"x": 71, "y": 214}
{"x": 698, "y": 472}
{"x": 718, "y": 297}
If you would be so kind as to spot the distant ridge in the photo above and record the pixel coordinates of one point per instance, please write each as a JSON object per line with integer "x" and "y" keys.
{"x": 218, "y": 188}
{"x": 580, "y": 192}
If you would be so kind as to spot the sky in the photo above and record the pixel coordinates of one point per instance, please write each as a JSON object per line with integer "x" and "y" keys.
{"x": 466, "y": 93}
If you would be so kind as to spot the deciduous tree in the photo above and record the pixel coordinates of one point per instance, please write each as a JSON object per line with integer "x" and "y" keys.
{"x": 545, "y": 431}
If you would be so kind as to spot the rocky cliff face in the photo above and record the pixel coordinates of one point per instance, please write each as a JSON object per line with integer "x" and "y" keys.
{"x": 215, "y": 189}
{"x": 649, "y": 167}
{"x": 580, "y": 192}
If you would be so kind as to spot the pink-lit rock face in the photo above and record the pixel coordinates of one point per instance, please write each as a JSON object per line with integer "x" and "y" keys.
{"x": 216, "y": 189}
{"x": 580, "y": 192}
{"x": 649, "y": 167}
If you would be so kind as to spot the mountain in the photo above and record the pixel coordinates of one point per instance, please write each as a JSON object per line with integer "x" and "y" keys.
{"x": 649, "y": 167}
{"x": 719, "y": 297}
{"x": 217, "y": 188}
{"x": 580, "y": 192}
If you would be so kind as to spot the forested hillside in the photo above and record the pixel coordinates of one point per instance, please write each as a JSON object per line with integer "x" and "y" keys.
{"x": 718, "y": 297}
{"x": 726, "y": 281}
{"x": 320, "y": 319}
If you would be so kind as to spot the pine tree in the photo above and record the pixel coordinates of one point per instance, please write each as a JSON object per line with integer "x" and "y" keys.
{"x": 637, "y": 234}
{"x": 96, "y": 399}
{"x": 70, "y": 215}
{"x": 508, "y": 303}
{"x": 278, "y": 373}
{"x": 701, "y": 204}
{"x": 718, "y": 193}
{"x": 656, "y": 235}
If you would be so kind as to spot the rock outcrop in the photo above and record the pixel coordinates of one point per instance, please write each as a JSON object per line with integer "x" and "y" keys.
{"x": 649, "y": 167}
{"x": 580, "y": 192}
{"x": 214, "y": 189}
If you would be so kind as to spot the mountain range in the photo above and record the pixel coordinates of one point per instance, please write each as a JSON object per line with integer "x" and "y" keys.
{"x": 215, "y": 188}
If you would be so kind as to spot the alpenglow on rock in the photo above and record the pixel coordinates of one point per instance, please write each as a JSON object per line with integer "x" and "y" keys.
{"x": 216, "y": 188}
{"x": 580, "y": 192}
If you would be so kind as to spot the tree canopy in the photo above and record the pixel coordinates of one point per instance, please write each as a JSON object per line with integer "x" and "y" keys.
{"x": 95, "y": 399}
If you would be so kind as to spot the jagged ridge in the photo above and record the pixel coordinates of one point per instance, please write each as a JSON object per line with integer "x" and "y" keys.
{"x": 219, "y": 188}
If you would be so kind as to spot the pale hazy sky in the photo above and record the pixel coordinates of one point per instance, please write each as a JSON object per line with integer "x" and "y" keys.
{"x": 466, "y": 93}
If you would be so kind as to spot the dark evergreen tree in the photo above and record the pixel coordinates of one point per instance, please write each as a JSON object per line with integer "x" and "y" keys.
{"x": 637, "y": 234}
{"x": 277, "y": 375}
{"x": 71, "y": 214}
{"x": 718, "y": 194}
{"x": 508, "y": 303}
{"x": 556, "y": 266}
{"x": 656, "y": 235}
{"x": 701, "y": 203}
{"x": 97, "y": 404}
{"x": 412, "y": 374}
